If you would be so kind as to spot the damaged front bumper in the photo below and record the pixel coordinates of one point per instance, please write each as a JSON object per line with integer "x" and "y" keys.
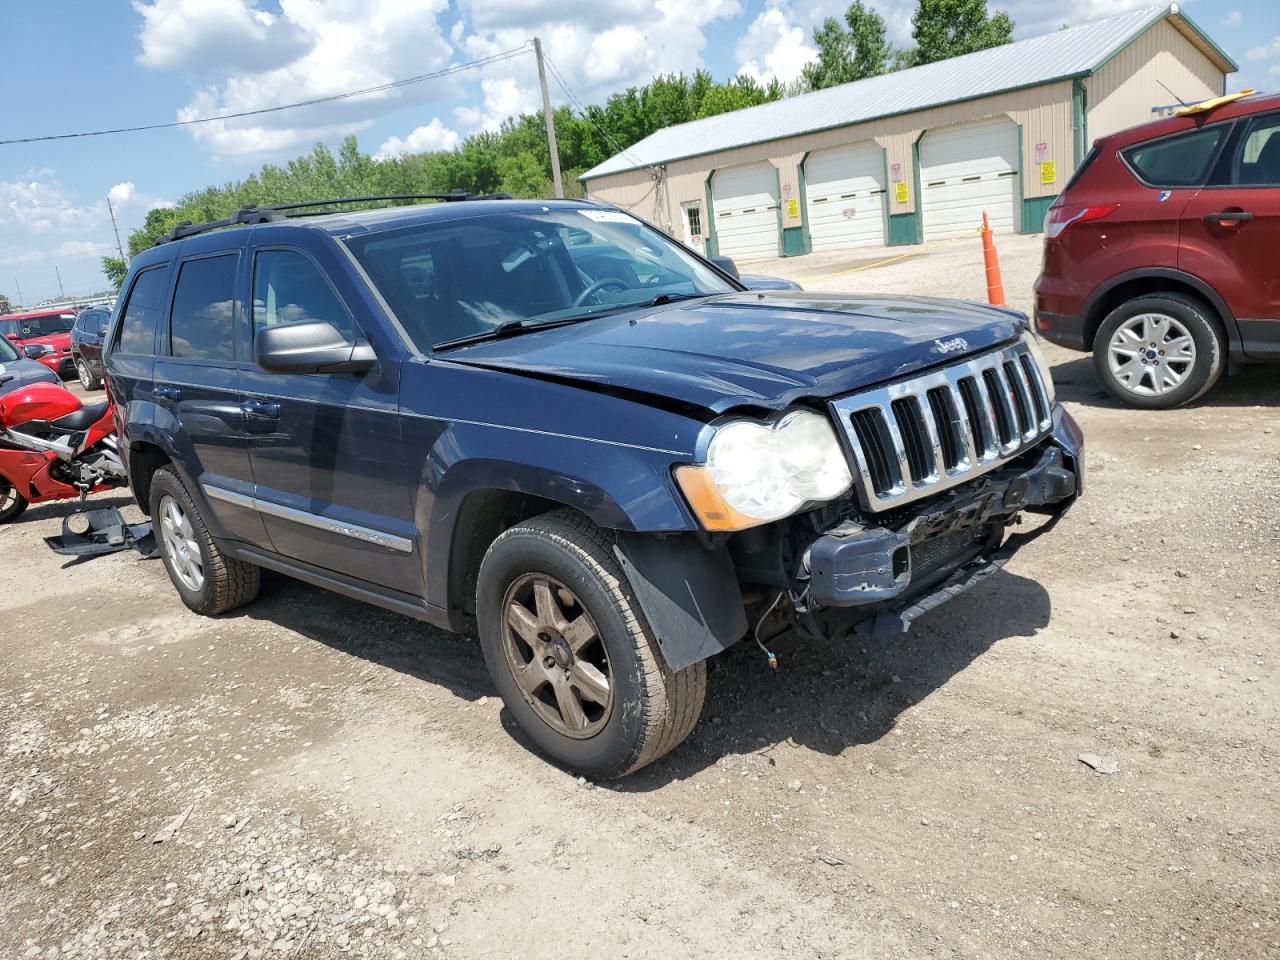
{"x": 875, "y": 580}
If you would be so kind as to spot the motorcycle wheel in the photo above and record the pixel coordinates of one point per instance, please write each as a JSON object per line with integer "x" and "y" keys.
{"x": 12, "y": 503}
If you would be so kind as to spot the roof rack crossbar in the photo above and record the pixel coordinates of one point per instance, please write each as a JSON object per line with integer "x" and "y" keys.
{"x": 251, "y": 214}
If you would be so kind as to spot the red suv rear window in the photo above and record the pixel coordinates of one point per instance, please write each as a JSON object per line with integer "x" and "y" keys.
{"x": 1181, "y": 160}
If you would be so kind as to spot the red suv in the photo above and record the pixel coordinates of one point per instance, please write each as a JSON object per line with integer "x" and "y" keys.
{"x": 1162, "y": 254}
{"x": 43, "y": 335}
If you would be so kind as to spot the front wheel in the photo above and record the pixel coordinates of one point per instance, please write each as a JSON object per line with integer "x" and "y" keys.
{"x": 569, "y": 651}
{"x": 12, "y": 503}
{"x": 87, "y": 379}
{"x": 1158, "y": 352}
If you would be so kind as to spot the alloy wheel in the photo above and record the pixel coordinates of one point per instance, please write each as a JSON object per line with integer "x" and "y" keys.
{"x": 1151, "y": 354}
{"x": 180, "y": 544}
{"x": 557, "y": 656}
{"x": 8, "y": 498}
{"x": 86, "y": 380}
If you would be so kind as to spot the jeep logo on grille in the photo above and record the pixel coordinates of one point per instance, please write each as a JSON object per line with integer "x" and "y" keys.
{"x": 952, "y": 345}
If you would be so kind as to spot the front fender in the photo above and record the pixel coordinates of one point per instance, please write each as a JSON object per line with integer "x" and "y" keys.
{"x": 619, "y": 487}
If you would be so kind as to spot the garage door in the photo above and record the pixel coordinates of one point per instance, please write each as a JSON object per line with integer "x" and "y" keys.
{"x": 746, "y": 209}
{"x": 965, "y": 170}
{"x": 844, "y": 192}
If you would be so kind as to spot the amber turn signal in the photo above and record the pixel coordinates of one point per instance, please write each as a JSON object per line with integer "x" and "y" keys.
{"x": 710, "y": 508}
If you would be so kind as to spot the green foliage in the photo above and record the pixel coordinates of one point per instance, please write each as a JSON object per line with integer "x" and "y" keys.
{"x": 845, "y": 55}
{"x": 949, "y": 28}
{"x": 512, "y": 160}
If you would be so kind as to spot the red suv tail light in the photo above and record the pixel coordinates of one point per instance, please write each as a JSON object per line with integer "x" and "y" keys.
{"x": 1059, "y": 218}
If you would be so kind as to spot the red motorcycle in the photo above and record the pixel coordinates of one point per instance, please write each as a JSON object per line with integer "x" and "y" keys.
{"x": 53, "y": 447}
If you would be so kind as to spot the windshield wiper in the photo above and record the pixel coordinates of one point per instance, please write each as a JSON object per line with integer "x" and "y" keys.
{"x": 509, "y": 328}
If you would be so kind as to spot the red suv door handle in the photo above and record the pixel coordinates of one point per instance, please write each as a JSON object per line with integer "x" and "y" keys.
{"x": 1228, "y": 216}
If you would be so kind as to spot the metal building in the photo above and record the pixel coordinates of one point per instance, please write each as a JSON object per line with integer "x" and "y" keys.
{"x": 915, "y": 155}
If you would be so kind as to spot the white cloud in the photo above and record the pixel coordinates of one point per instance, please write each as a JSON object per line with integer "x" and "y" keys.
{"x": 311, "y": 49}
{"x": 125, "y": 194}
{"x": 597, "y": 48}
{"x": 773, "y": 47}
{"x": 1271, "y": 49}
{"x": 200, "y": 35}
{"x": 432, "y": 136}
{"x": 1232, "y": 19}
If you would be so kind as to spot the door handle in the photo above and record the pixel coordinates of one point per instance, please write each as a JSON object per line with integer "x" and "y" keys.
{"x": 166, "y": 393}
{"x": 1229, "y": 216}
{"x": 263, "y": 409}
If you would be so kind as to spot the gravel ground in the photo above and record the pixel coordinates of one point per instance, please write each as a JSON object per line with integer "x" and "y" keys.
{"x": 312, "y": 777}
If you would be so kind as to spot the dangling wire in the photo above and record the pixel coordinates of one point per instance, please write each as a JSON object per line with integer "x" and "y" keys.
{"x": 773, "y": 657}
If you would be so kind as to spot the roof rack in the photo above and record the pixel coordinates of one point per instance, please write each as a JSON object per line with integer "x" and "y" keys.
{"x": 251, "y": 213}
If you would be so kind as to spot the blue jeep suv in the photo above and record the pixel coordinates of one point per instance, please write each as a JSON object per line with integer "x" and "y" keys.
{"x": 549, "y": 422}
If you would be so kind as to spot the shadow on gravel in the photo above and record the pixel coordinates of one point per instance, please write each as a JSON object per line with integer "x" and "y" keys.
{"x": 1255, "y": 385}
{"x": 828, "y": 696}
{"x": 357, "y": 629}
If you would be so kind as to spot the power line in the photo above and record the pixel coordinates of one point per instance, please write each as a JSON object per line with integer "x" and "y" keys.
{"x": 587, "y": 116}
{"x": 448, "y": 71}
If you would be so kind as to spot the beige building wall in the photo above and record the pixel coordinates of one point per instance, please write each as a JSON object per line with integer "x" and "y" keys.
{"x": 1123, "y": 92}
{"x": 1044, "y": 114}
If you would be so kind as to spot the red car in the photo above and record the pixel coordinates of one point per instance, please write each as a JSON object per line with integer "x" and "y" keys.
{"x": 43, "y": 335}
{"x": 1162, "y": 254}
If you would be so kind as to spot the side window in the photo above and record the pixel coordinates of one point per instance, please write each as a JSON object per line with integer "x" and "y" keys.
{"x": 1257, "y": 164}
{"x": 142, "y": 313}
{"x": 200, "y": 323}
{"x": 289, "y": 288}
{"x": 1178, "y": 161}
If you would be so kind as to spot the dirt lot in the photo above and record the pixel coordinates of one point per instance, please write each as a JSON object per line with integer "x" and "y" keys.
{"x": 310, "y": 777}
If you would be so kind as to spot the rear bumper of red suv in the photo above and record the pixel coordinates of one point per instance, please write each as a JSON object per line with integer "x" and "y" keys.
{"x": 1064, "y": 329}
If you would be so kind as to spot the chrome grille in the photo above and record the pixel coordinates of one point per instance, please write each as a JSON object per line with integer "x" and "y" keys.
{"x": 915, "y": 438}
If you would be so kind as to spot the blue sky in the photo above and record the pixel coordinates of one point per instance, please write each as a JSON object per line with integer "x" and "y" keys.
{"x": 75, "y": 65}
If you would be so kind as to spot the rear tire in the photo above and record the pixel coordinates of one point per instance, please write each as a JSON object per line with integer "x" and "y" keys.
{"x": 1159, "y": 351}
{"x": 12, "y": 503}
{"x": 560, "y": 570}
{"x": 87, "y": 379}
{"x": 209, "y": 581}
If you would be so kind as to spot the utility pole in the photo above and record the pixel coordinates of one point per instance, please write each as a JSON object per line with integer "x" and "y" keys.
{"x": 551, "y": 123}
{"x": 58, "y": 273}
{"x": 116, "y": 230}
{"x": 21, "y": 302}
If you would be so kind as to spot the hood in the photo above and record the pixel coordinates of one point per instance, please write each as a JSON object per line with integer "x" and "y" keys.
{"x": 753, "y": 349}
{"x": 24, "y": 373}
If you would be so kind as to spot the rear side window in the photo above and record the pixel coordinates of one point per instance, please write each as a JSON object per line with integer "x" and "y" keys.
{"x": 200, "y": 323}
{"x": 289, "y": 288}
{"x": 1178, "y": 161}
{"x": 142, "y": 313}
{"x": 1254, "y": 161}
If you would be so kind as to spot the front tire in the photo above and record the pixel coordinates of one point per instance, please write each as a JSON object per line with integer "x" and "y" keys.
{"x": 87, "y": 379}
{"x": 1160, "y": 351}
{"x": 209, "y": 581}
{"x": 571, "y": 654}
{"x": 12, "y": 503}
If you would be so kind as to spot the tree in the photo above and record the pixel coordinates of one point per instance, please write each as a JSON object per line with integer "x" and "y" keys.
{"x": 845, "y": 55}
{"x": 949, "y": 28}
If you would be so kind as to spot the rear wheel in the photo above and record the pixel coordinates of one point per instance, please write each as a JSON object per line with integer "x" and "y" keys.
{"x": 12, "y": 503}
{"x": 571, "y": 655}
{"x": 1160, "y": 351}
{"x": 87, "y": 379}
{"x": 208, "y": 580}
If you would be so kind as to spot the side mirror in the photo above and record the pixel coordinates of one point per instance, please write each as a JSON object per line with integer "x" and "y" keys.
{"x": 35, "y": 351}
{"x": 727, "y": 265}
{"x": 315, "y": 346}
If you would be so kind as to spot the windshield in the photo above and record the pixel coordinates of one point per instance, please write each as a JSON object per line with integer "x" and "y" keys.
{"x": 26, "y": 327}
{"x": 459, "y": 279}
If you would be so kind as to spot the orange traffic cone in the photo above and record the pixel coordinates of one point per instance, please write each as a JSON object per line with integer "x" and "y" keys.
{"x": 995, "y": 285}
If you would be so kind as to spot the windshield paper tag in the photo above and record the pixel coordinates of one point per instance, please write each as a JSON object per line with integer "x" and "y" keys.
{"x": 608, "y": 216}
